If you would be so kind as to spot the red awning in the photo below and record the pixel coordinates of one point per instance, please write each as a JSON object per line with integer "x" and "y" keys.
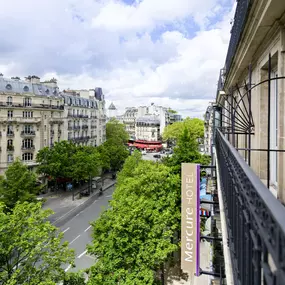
{"x": 140, "y": 145}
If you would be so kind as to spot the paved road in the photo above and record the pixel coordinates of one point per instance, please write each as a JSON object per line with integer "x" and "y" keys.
{"x": 78, "y": 230}
{"x": 149, "y": 156}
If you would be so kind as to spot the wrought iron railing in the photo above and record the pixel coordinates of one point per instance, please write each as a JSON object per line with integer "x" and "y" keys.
{"x": 255, "y": 220}
{"x": 241, "y": 13}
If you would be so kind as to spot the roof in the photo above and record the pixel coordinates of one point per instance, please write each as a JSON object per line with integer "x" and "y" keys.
{"x": 112, "y": 107}
{"x": 150, "y": 119}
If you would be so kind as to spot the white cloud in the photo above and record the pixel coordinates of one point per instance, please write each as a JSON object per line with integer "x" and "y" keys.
{"x": 119, "y": 47}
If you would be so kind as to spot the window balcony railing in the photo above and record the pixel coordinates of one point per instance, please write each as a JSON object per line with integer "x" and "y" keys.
{"x": 10, "y": 134}
{"x": 84, "y": 126}
{"x": 28, "y": 134}
{"x": 31, "y": 147}
{"x": 255, "y": 220}
{"x": 30, "y": 105}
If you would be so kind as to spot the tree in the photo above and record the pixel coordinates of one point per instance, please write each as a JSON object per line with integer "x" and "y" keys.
{"x": 116, "y": 131}
{"x": 194, "y": 126}
{"x": 19, "y": 184}
{"x": 31, "y": 250}
{"x": 74, "y": 278}
{"x": 67, "y": 160}
{"x": 57, "y": 161}
{"x": 86, "y": 162}
{"x": 116, "y": 152}
{"x": 134, "y": 238}
{"x": 186, "y": 151}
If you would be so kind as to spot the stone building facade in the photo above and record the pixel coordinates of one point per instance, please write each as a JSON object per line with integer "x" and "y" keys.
{"x": 35, "y": 114}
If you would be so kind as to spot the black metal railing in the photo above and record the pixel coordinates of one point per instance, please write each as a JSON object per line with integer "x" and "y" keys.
{"x": 255, "y": 220}
{"x": 242, "y": 9}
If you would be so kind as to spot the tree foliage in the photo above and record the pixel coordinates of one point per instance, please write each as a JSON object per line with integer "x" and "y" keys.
{"x": 19, "y": 184}
{"x": 116, "y": 131}
{"x": 133, "y": 238}
{"x": 74, "y": 278}
{"x": 194, "y": 126}
{"x": 186, "y": 150}
{"x": 31, "y": 251}
{"x": 67, "y": 160}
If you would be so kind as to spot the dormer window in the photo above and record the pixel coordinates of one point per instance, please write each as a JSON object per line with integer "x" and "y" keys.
{"x": 9, "y": 87}
{"x": 9, "y": 101}
{"x": 26, "y": 89}
{"x": 47, "y": 91}
{"x": 54, "y": 92}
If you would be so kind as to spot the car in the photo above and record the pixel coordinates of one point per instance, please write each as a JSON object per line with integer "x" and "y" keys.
{"x": 143, "y": 152}
{"x": 157, "y": 156}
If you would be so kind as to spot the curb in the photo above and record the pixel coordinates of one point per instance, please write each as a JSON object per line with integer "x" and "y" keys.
{"x": 67, "y": 216}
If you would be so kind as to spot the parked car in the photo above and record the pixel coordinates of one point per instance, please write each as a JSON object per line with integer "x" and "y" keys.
{"x": 157, "y": 156}
{"x": 143, "y": 152}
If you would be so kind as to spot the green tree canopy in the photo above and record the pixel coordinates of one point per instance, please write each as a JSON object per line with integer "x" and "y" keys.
{"x": 194, "y": 126}
{"x": 133, "y": 239}
{"x": 116, "y": 131}
{"x": 18, "y": 184}
{"x": 67, "y": 160}
{"x": 31, "y": 251}
{"x": 116, "y": 153}
{"x": 57, "y": 161}
{"x": 186, "y": 150}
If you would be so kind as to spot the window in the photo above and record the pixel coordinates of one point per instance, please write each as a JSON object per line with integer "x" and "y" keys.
{"x": 26, "y": 89}
{"x": 9, "y": 87}
{"x": 10, "y": 114}
{"x": 10, "y": 158}
{"x": 27, "y": 156}
{"x": 57, "y": 103}
{"x": 45, "y": 127}
{"x": 9, "y": 142}
{"x": 45, "y": 142}
{"x": 9, "y": 101}
{"x": 28, "y": 129}
{"x": 27, "y": 143}
{"x": 27, "y": 114}
{"x": 9, "y": 130}
{"x": 27, "y": 102}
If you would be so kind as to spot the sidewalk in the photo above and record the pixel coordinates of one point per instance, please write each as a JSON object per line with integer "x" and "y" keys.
{"x": 62, "y": 204}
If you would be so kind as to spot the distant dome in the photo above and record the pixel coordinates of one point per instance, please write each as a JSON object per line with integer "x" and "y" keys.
{"x": 148, "y": 120}
{"x": 112, "y": 107}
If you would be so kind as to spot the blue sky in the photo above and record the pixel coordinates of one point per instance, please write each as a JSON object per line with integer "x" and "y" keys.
{"x": 164, "y": 51}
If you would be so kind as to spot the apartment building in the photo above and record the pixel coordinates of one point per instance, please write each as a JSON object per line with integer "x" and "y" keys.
{"x": 85, "y": 118}
{"x": 147, "y": 128}
{"x": 35, "y": 114}
{"x": 208, "y": 129}
{"x": 251, "y": 90}
{"x": 129, "y": 118}
{"x": 249, "y": 145}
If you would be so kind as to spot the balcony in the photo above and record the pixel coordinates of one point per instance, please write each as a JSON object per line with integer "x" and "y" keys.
{"x": 31, "y": 147}
{"x": 15, "y": 119}
{"x": 76, "y": 127}
{"x": 28, "y": 134}
{"x": 84, "y": 126}
{"x": 79, "y": 139}
{"x": 33, "y": 106}
{"x": 10, "y": 134}
{"x": 10, "y": 148}
{"x": 253, "y": 219}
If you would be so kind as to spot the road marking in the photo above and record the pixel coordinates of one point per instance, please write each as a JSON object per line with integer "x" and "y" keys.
{"x": 80, "y": 255}
{"x": 109, "y": 196}
{"x": 66, "y": 230}
{"x": 87, "y": 229}
{"x": 68, "y": 267}
{"x": 94, "y": 202}
{"x": 77, "y": 215}
{"x": 74, "y": 239}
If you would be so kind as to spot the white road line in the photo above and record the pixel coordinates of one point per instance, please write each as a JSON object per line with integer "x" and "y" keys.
{"x": 87, "y": 229}
{"x": 66, "y": 230}
{"x": 77, "y": 215}
{"x": 80, "y": 255}
{"x": 67, "y": 268}
{"x": 74, "y": 239}
{"x": 94, "y": 202}
{"x": 109, "y": 196}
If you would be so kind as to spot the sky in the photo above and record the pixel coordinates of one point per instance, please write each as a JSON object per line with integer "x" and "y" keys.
{"x": 167, "y": 52}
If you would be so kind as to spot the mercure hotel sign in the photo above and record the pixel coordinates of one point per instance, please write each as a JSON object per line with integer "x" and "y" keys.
{"x": 190, "y": 218}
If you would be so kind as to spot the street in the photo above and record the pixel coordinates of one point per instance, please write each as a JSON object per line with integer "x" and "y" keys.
{"x": 77, "y": 231}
